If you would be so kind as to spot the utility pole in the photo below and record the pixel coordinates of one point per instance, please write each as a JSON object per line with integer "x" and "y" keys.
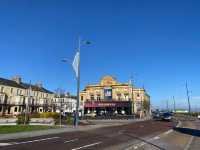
{"x": 174, "y": 104}
{"x": 188, "y": 97}
{"x": 167, "y": 105}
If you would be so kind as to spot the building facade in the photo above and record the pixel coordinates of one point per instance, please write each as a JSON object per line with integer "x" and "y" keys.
{"x": 16, "y": 95}
{"x": 112, "y": 97}
{"x": 65, "y": 103}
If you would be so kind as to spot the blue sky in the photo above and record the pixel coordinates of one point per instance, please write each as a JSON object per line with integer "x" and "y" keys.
{"x": 155, "y": 41}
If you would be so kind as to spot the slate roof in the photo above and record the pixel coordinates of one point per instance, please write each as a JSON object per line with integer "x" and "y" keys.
{"x": 22, "y": 85}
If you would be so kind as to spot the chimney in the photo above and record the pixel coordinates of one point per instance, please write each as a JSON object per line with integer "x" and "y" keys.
{"x": 17, "y": 79}
{"x": 39, "y": 84}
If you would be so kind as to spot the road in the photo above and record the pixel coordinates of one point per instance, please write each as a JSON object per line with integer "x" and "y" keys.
{"x": 116, "y": 137}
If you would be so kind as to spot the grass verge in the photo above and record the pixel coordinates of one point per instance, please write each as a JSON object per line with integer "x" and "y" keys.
{"x": 23, "y": 128}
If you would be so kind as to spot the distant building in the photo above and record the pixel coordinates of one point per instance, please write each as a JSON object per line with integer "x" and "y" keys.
{"x": 65, "y": 103}
{"x": 14, "y": 97}
{"x": 112, "y": 97}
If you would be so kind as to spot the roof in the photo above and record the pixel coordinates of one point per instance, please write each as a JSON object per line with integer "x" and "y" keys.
{"x": 22, "y": 85}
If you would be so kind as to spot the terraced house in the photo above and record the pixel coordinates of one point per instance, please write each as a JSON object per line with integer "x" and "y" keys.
{"x": 16, "y": 95}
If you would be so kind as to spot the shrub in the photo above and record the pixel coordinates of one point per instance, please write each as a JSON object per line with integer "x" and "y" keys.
{"x": 35, "y": 115}
{"x": 53, "y": 115}
{"x": 69, "y": 120}
{"x": 21, "y": 119}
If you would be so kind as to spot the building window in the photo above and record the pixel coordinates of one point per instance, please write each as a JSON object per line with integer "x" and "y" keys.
{"x": 11, "y": 90}
{"x": 15, "y": 109}
{"x": 126, "y": 96}
{"x": 40, "y": 110}
{"x": 138, "y": 95}
{"x": 92, "y": 97}
{"x": 17, "y": 91}
{"x": 0, "y": 108}
{"x": 19, "y": 109}
{"x": 119, "y": 96}
{"x": 82, "y": 98}
{"x": 2, "y": 89}
{"x": 98, "y": 97}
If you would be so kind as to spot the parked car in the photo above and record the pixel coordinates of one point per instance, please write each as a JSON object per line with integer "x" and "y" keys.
{"x": 166, "y": 116}
{"x": 91, "y": 115}
{"x": 156, "y": 116}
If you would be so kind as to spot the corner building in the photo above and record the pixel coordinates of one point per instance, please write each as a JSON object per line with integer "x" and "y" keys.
{"x": 112, "y": 97}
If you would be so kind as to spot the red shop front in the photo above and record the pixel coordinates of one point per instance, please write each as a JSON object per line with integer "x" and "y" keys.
{"x": 108, "y": 107}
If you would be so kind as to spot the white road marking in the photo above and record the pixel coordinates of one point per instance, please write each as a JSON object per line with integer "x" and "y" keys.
{"x": 168, "y": 132}
{"x": 156, "y": 138}
{"x": 71, "y": 140}
{"x": 25, "y": 142}
{"x": 89, "y": 145}
{"x": 5, "y": 144}
{"x": 189, "y": 143}
{"x": 121, "y": 131}
{"x": 136, "y": 146}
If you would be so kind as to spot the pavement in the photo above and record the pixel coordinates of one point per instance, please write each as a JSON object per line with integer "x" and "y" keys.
{"x": 186, "y": 136}
{"x": 93, "y": 124}
{"x": 100, "y": 138}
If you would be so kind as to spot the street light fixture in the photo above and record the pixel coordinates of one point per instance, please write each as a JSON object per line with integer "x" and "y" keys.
{"x": 76, "y": 67}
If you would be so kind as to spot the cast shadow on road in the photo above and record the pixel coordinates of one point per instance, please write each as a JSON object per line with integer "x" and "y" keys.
{"x": 193, "y": 132}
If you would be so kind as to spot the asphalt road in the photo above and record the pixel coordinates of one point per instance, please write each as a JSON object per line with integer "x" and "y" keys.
{"x": 116, "y": 137}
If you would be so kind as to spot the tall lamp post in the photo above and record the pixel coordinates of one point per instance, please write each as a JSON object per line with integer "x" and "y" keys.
{"x": 188, "y": 97}
{"x": 76, "y": 67}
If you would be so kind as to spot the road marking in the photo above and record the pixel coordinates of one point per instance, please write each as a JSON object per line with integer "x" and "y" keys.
{"x": 89, "y": 145}
{"x": 156, "y": 138}
{"x": 121, "y": 131}
{"x": 25, "y": 142}
{"x": 189, "y": 143}
{"x": 71, "y": 140}
{"x": 136, "y": 146}
{"x": 168, "y": 132}
{"x": 5, "y": 144}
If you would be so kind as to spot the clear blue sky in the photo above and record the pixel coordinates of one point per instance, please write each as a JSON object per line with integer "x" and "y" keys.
{"x": 156, "y": 41}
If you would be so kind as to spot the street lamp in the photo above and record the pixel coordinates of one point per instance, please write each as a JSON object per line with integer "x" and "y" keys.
{"x": 76, "y": 67}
